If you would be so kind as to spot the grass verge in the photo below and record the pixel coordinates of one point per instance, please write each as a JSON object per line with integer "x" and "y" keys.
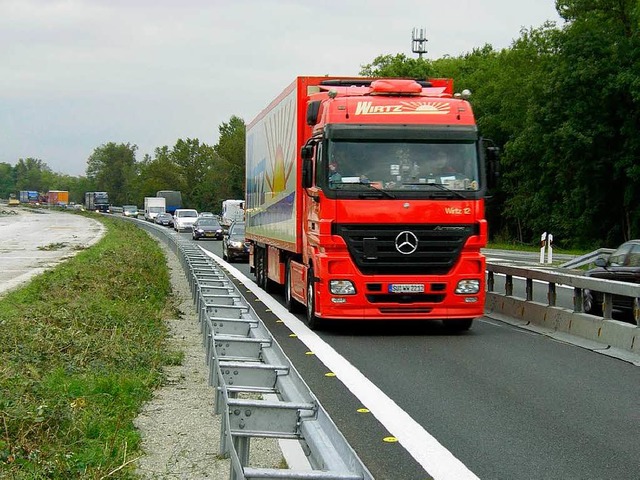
{"x": 81, "y": 349}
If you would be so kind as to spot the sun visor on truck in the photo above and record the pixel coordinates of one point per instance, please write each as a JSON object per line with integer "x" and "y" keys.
{"x": 401, "y": 132}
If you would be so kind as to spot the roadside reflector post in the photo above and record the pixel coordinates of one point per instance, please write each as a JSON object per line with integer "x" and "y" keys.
{"x": 543, "y": 243}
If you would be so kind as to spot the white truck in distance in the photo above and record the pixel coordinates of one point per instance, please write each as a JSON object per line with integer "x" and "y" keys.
{"x": 232, "y": 211}
{"x": 153, "y": 206}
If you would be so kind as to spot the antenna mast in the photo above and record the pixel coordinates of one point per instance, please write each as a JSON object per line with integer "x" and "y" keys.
{"x": 419, "y": 41}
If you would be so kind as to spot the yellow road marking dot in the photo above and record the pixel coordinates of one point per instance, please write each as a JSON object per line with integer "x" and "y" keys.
{"x": 279, "y": 321}
{"x": 292, "y": 335}
{"x": 309, "y": 353}
{"x": 363, "y": 410}
{"x": 268, "y": 310}
{"x": 390, "y": 439}
{"x": 330, "y": 374}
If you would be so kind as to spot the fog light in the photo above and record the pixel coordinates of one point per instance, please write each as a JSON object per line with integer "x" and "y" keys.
{"x": 467, "y": 287}
{"x": 342, "y": 287}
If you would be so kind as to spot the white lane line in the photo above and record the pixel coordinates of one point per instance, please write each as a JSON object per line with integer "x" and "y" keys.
{"x": 423, "y": 447}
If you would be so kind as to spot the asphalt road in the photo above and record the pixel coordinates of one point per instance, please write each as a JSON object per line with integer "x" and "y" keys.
{"x": 32, "y": 241}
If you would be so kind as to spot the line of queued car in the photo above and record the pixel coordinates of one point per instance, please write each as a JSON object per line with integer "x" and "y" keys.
{"x": 207, "y": 226}
{"x": 234, "y": 246}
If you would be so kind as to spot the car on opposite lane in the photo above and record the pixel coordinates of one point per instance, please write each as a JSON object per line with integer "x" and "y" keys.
{"x": 622, "y": 265}
{"x": 207, "y": 227}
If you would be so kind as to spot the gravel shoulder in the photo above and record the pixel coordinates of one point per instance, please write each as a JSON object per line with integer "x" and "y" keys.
{"x": 180, "y": 432}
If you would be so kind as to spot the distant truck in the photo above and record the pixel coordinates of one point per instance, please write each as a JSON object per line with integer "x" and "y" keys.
{"x": 58, "y": 198}
{"x": 396, "y": 233}
{"x": 232, "y": 211}
{"x": 97, "y": 202}
{"x": 173, "y": 200}
{"x": 28, "y": 196}
{"x": 153, "y": 206}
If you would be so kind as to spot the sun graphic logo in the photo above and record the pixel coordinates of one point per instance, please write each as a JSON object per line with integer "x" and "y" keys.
{"x": 431, "y": 108}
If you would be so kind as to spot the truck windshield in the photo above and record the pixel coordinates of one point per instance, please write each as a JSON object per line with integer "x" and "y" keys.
{"x": 402, "y": 166}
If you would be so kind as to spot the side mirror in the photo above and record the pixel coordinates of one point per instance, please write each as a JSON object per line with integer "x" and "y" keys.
{"x": 600, "y": 262}
{"x": 492, "y": 156}
{"x": 313, "y": 109}
{"x": 307, "y": 173}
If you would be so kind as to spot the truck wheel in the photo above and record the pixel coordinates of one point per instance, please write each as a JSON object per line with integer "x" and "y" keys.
{"x": 261, "y": 270}
{"x": 259, "y": 267}
{"x": 455, "y": 326}
{"x": 291, "y": 304}
{"x": 313, "y": 322}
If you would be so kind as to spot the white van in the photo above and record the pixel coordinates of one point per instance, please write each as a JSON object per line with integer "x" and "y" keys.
{"x": 184, "y": 218}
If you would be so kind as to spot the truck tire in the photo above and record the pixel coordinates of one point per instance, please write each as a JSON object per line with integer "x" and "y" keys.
{"x": 313, "y": 322}
{"x": 262, "y": 277}
{"x": 259, "y": 265}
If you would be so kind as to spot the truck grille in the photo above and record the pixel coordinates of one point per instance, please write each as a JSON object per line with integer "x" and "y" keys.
{"x": 373, "y": 247}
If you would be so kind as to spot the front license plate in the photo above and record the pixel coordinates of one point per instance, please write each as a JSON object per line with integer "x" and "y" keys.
{"x": 406, "y": 288}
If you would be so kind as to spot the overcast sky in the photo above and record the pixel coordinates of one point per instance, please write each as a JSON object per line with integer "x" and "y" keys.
{"x": 77, "y": 74}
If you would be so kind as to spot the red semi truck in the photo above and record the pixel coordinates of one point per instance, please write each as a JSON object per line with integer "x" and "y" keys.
{"x": 365, "y": 200}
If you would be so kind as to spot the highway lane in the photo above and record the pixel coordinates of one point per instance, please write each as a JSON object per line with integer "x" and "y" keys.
{"x": 505, "y": 402}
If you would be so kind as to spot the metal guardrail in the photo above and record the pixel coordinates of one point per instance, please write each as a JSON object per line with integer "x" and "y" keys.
{"x": 553, "y": 278}
{"x": 245, "y": 363}
{"x": 599, "y": 333}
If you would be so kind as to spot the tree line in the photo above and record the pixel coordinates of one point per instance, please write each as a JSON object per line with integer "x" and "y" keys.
{"x": 562, "y": 103}
{"x": 206, "y": 175}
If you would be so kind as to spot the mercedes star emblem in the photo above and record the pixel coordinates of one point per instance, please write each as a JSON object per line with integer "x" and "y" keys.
{"x": 406, "y": 242}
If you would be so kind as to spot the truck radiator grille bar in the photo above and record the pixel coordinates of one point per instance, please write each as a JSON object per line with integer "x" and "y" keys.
{"x": 405, "y": 299}
{"x": 389, "y": 249}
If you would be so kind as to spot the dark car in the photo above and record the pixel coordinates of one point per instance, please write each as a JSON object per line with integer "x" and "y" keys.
{"x": 234, "y": 246}
{"x": 164, "y": 219}
{"x": 622, "y": 265}
{"x": 207, "y": 227}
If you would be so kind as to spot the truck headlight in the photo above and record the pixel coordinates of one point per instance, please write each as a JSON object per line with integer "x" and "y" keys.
{"x": 468, "y": 287}
{"x": 342, "y": 287}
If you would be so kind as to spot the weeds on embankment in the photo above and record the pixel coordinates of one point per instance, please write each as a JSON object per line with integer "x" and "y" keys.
{"x": 81, "y": 349}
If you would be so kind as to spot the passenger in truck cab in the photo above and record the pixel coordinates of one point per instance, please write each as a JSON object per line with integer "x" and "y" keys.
{"x": 440, "y": 165}
{"x": 334, "y": 174}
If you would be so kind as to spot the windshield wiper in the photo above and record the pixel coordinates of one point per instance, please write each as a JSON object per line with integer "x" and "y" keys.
{"x": 377, "y": 189}
{"x": 439, "y": 186}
